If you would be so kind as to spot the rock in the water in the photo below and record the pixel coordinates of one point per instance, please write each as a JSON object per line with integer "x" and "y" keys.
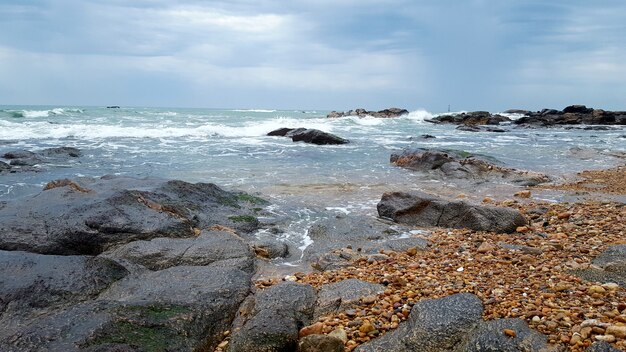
{"x": 276, "y": 316}
{"x": 285, "y": 132}
{"x": 470, "y": 119}
{"x": 24, "y": 160}
{"x": 320, "y": 343}
{"x": 463, "y": 165}
{"x": 163, "y": 253}
{"x": 270, "y": 249}
{"x": 4, "y": 166}
{"x": 609, "y": 266}
{"x": 386, "y": 113}
{"x": 433, "y": 325}
{"x": 341, "y": 295}
{"x": 118, "y": 210}
{"x": 421, "y": 209}
{"x": 573, "y": 115}
{"x": 317, "y": 137}
{"x": 70, "y": 152}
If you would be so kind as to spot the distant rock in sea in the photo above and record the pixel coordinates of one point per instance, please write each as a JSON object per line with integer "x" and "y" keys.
{"x": 470, "y": 119}
{"x": 386, "y": 113}
{"x": 573, "y": 115}
{"x": 113, "y": 107}
{"x": 308, "y": 135}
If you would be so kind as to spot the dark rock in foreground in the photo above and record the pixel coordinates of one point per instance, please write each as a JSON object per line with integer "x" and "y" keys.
{"x": 271, "y": 320}
{"x": 386, "y": 113}
{"x": 312, "y": 136}
{"x": 421, "y": 209}
{"x": 470, "y": 119}
{"x": 462, "y": 165}
{"x": 342, "y": 295}
{"x": 88, "y": 216}
{"x": 573, "y": 115}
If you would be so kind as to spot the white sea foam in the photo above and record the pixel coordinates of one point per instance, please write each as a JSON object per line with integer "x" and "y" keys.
{"x": 253, "y": 110}
{"x": 511, "y": 116}
{"x": 419, "y": 116}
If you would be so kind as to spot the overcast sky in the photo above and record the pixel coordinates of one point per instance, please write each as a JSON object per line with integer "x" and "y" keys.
{"x": 325, "y": 54}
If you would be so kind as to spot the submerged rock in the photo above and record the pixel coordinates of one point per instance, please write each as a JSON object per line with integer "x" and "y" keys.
{"x": 24, "y": 160}
{"x": 421, "y": 209}
{"x": 98, "y": 214}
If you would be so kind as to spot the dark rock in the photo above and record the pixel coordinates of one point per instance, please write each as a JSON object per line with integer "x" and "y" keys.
{"x": 516, "y": 111}
{"x": 427, "y": 136}
{"x": 69, "y": 152}
{"x": 29, "y": 281}
{"x": 577, "y": 109}
{"x": 601, "y": 346}
{"x": 421, "y": 209}
{"x": 342, "y": 295}
{"x": 162, "y": 253}
{"x": 470, "y": 119}
{"x": 317, "y": 137}
{"x": 118, "y": 210}
{"x": 4, "y": 166}
{"x": 275, "y": 317}
{"x": 285, "y": 132}
{"x": 609, "y": 266}
{"x": 433, "y": 325}
{"x": 320, "y": 343}
{"x": 18, "y": 154}
{"x": 463, "y": 165}
{"x": 24, "y": 160}
{"x": 489, "y": 336}
{"x": 113, "y": 107}
{"x": 468, "y": 128}
{"x": 270, "y": 249}
{"x": 573, "y": 115}
{"x": 386, "y": 113}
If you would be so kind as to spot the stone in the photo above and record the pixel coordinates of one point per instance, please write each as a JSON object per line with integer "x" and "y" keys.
{"x": 470, "y": 119}
{"x": 505, "y": 335}
{"x": 618, "y": 331}
{"x": 340, "y": 334}
{"x": 317, "y": 137}
{"x": 117, "y": 210}
{"x": 601, "y": 346}
{"x": 342, "y": 295}
{"x": 608, "y": 267}
{"x": 316, "y": 328}
{"x": 421, "y": 209}
{"x": 270, "y": 249}
{"x": 433, "y": 325}
{"x": 386, "y": 113}
{"x": 277, "y": 315}
{"x": 523, "y": 194}
{"x": 486, "y": 247}
{"x": 320, "y": 343}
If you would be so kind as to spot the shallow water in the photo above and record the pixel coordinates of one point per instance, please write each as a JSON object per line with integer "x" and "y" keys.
{"x": 230, "y": 148}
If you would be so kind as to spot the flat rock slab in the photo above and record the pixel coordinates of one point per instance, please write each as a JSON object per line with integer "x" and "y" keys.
{"x": 609, "y": 266}
{"x": 163, "y": 253}
{"x": 489, "y": 336}
{"x": 341, "y": 295}
{"x": 89, "y": 216}
{"x": 421, "y": 209}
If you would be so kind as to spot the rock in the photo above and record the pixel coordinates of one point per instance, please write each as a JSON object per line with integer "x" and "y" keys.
{"x": 270, "y": 249}
{"x": 516, "y": 111}
{"x": 18, "y": 154}
{"x": 61, "y": 152}
{"x": 521, "y": 248}
{"x": 163, "y": 253}
{"x": 433, "y": 325}
{"x": 573, "y": 115}
{"x": 608, "y": 267}
{"x": 118, "y": 210}
{"x": 486, "y": 247}
{"x": 386, "y": 113}
{"x": 505, "y": 335}
{"x": 452, "y": 164}
{"x": 342, "y": 295}
{"x": 523, "y": 194}
{"x": 339, "y": 333}
{"x": 618, "y": 331}
{"x": 602, "y": 346}
{"x": 320, "y": 343}
{"x": 317, "y": 137}
{"x": 35, "y": 281}
{"x": 4, "y": 166}
{"x": 25, "y": 160}
{"x": 316, "y": 328}
{"x": 470, "y": 119}
{"x": 421, "y": 209}
{"x": 277, "y": 315}
{"x": 285, "y": 132}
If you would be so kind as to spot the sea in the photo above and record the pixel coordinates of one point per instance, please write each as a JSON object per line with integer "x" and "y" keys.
{"x": 304, "y": 182}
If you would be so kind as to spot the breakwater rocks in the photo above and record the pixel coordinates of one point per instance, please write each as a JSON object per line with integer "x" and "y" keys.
{"x": 386, "y": 113}
{"x": 309, "y": 135}
{"x": 470, "y": 119}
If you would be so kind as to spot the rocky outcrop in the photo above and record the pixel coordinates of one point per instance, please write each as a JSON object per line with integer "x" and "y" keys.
{"x": 342, "y": 295}
{"x": 454, "y": 323}
{"x": 306, "y": 135}
{"x": 386, "y": 113}
{"x": 609, "y": 266}
{"x": 24, "y": 160}
{"x": 573, "y": 115}
{"x": 421, "y": 209}
{"x": 451, "y": 164}
{"x": 271, "y": 319}
{"x": 89, "y": 216}
{"x": 470, "y": 119}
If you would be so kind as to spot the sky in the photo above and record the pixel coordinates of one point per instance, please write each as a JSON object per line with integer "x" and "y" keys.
{"x": 304, "y": 54}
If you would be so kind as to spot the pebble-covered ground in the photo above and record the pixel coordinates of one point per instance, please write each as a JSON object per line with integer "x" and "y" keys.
{"x": 532, "y": 279}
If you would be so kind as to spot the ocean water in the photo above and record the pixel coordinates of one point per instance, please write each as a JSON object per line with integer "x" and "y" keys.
{"x": 230, "y": 148}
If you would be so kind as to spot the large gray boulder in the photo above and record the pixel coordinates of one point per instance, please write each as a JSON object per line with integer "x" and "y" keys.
{"x": 308, "y": 135}
{"x": 271, "y": 320}
{"x": 89, "y": 216}
{"x": 609, "y": 266}
{"x": 433, "y": 325}
{"x": 421, "y": 209}
{"x": 490, "y": 336}
{"x": 163, "y": 253}
{"x": 178, "y": 309}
